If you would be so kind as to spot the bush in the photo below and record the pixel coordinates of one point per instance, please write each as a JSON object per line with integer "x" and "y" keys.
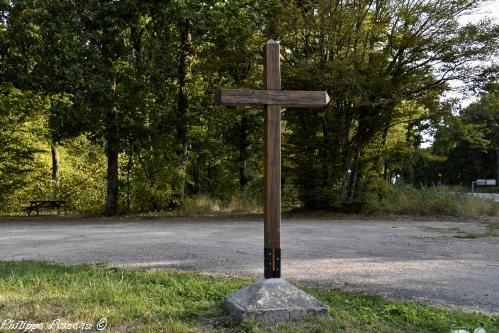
{"x": 202, "y": 204}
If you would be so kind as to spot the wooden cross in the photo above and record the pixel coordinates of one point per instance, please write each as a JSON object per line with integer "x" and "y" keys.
{"x": 272, "y": 97}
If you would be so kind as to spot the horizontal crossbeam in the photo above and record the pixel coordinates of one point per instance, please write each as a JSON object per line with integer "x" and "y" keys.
{"x": 290, "y": 98}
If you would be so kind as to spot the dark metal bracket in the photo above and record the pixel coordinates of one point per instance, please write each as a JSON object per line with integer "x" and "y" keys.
{"x": 272, "y": 263}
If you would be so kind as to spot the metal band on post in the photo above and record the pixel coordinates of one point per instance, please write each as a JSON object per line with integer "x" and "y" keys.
{"x": 272, "y": 263}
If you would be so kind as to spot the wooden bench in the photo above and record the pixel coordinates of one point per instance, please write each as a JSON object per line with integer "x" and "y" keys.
{"x": 36, "y": 205}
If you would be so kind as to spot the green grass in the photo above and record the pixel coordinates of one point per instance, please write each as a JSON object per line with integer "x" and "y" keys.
{"x": 458, "y": 233}
{"x": 430, "y": 201}
{"x": 154, "y": 301}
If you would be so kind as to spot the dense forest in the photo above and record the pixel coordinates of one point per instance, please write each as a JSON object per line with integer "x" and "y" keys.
{"x": 110, "y": 104}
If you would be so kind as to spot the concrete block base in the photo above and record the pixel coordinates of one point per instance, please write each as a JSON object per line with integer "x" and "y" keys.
{"x": 273, "y": 301}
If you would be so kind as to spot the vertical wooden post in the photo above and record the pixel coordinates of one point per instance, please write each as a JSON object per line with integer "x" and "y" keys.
{"x": 272, "y": 97}
{"x": 272, "y": 165}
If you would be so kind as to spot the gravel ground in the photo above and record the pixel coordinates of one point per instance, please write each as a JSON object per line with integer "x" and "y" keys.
{"x": 401, "y": 259}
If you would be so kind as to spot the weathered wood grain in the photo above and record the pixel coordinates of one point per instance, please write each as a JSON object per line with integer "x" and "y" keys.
{"x": 272, "y": 177}
{"x": 272, "y": 156}
{"x": 271, "y": 65}
{"x": 289, "y": 98}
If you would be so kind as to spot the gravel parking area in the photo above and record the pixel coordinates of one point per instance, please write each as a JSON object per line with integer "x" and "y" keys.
{"x": 443, "y": 262}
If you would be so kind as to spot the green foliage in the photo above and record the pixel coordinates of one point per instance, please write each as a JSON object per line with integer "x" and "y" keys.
{"x": 378, "y": 61}
{"x": 470, "y": 141}
{"x": 150, "y": 175}
{"x": 22, "y": 124}
{"x": 81, "y": 182}
{"x": 137, "y": 79}
{"x": 145, "y": 301}
{"x": 83, "y": 173}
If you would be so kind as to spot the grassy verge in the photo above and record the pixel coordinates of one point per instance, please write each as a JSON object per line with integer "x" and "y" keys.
{"x": 389, "y": 199}
{"x": 430, "y": 201}
{"x": 138, "y": 301}
{"x": 203, "y": 204}
{"x": 385, "y": 199}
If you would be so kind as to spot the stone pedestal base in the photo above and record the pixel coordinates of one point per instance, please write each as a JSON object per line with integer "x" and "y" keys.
{"x": 272, "y": 301}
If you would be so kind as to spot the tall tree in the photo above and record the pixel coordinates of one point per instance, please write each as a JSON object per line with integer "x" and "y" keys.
{"x": 371, "y": 56}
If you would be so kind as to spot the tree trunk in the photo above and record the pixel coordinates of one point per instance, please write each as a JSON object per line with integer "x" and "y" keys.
{"x": 112, "y": 151}
{"x": 408, "y": 176}
{"x": 497, "y": 162}
{"x": 183, "y": 173}
{"x": 244, "y": 177}
{"x": 380, "y": 152}
{"x": 326, "y": 167}
{"x": 55, "y": 165}
{"x": 408, "y": 162}
{"x": 355, "y": 175}
{"x": 184, "y": 70}
{"x": 346, "y": 147}
{"x": 128, "y": 172}
{"x": 112, "y": 180}
{"x": 345, "y": 179}
{"x": 199, "y": 176}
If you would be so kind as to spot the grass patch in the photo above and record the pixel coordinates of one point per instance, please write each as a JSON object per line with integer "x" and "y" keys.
{"x": 472, "y": 235}
{"x": 458, "y": 233}
{"x": 152, "y": 301}
{"x": 493, "y": 226}
{"x": 443, "y": 230}
{"x": 430, "y": 201}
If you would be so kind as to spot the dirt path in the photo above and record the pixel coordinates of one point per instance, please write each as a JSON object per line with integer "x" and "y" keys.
{"x": 441, "y": 262}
